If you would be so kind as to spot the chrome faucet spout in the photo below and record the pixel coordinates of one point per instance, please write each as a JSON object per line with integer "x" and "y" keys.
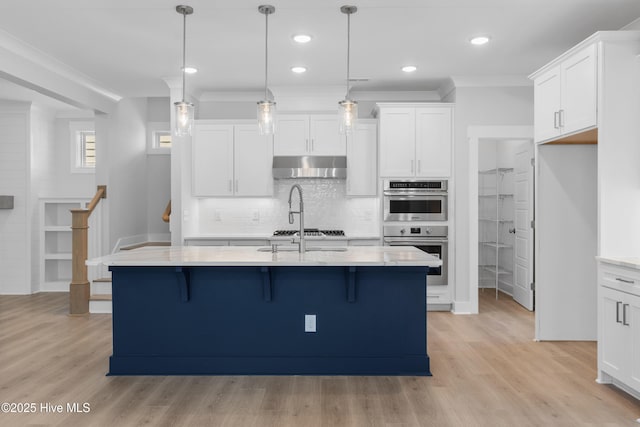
{"x": 301, "y": 243}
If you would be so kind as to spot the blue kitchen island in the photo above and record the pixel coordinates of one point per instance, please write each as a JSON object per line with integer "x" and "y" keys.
{"x": 241, "y": 310}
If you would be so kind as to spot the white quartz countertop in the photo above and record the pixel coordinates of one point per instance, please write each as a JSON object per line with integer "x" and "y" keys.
{"x": 251, "y": 256}
{"x": 631, "y": 262}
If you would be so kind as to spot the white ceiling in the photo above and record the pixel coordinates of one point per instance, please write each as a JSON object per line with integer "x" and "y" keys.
{"x": 129, "y": 46}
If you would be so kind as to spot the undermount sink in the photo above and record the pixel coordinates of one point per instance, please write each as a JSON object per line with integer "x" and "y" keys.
{"x": 309, "y": 249}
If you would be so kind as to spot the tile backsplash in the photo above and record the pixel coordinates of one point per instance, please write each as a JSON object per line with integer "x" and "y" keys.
{"x": 326, "y": 206}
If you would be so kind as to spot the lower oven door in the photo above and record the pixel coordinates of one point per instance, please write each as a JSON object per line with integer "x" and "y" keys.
{"x": 436, "y": 247}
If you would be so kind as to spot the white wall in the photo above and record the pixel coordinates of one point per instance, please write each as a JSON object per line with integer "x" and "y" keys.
{"x": 126, "y": 170}
{"x": 478, "y": 106}
{"x": 158, "y": 173}
{"x": 566, "y": 235}
{"x": 43, "y": 153}
{"x": 57, "y": 179}
{"x": 15, "y": 224}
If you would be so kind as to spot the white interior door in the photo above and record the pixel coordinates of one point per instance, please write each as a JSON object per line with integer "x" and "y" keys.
{"x": 523, "y": 248}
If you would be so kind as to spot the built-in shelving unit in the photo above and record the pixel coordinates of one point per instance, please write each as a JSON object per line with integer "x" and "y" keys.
{"x": 55, "y": 242}
{"x": 495, "y": 227}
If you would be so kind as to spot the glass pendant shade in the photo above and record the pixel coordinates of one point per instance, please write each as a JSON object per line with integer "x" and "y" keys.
{"x": 348, "y": 115}
{"x": 266, "y": 117}
{"x": 184, "y": 118}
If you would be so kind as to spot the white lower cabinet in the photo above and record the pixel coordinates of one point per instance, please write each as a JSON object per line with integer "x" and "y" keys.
{"x": 231, "y": 160}
{"x": 619, "y": 327}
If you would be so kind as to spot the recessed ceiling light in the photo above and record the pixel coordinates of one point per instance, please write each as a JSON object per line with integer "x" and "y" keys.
{"x": 302, "y": 38}
{"x": 190, "y": 70}
{"x": 479, "y": 40}
{"x": 299, "y": 69}
{"x": 409, "y": 68}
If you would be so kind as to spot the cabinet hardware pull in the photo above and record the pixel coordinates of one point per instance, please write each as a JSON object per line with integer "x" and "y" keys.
{"x": 625, "y": 280}
{"x": 624, "y": 314}
{"x": 561, "y": 118}
{"x": 411, "y": 166}
{"x": 236, "y": 185}
{"x": 555, "y": 119}
{"x": 618, "y": 304}
{"x": 313, "y": 145}
{"x": 306, "y": 146}
{"x": 230, "y": 186}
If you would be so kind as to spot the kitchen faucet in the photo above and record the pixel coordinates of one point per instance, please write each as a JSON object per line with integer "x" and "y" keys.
{"x": 301, "y": 243}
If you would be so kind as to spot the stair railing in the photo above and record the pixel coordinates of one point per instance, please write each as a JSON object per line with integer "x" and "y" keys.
{"x": 166, "y": 215}
{"x": 79, "y": 290}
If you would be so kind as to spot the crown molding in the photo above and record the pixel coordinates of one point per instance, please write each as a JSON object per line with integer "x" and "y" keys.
{"x": 491, "y": 81}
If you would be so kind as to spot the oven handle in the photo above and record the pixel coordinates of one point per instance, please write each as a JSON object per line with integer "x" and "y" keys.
{"x": 414, "y": 193}
{"x": 392, "y": 242}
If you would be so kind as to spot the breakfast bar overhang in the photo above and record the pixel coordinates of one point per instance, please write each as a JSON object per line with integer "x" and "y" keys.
{"x": 246, "y": 311}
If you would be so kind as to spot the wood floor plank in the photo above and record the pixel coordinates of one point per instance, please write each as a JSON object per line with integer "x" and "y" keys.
{"x": 487, "y": 371}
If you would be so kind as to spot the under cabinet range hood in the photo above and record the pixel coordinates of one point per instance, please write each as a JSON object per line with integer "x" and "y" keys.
{"x": 286, "y": 167}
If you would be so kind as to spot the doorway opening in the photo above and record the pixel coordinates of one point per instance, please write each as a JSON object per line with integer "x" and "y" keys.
{"x": 505, "y": 210}
{"x": 501, "y": 194}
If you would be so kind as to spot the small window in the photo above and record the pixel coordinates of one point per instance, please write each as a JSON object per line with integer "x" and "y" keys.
{"x": 88, "y": 149}
{"x": 159, "y": 138}
{"x": 83, "y": 147}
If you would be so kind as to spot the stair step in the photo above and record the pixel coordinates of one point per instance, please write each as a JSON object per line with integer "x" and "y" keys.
{"x": 101, "y": 287}
{"x": 142, "y": 245}
{"x": 100, "y": 304}
{"x": 103, "y": 279}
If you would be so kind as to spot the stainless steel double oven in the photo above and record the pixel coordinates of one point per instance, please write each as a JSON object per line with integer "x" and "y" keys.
{"x": 408, "y": 203}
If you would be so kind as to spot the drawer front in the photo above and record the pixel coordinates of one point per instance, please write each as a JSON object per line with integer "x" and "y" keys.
{"x": 620, "y": 278}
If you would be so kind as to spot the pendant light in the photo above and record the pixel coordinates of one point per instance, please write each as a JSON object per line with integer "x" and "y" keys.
{"x": 348, "y": 110}
{"x": 184, "y": 109}
{"x": 266, "y": 108}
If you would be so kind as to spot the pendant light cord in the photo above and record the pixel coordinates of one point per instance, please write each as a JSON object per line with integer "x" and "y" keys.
{"x": 266, "y": 52}
{"x": 348, "y": 49}
{"x": 184, "y": 52}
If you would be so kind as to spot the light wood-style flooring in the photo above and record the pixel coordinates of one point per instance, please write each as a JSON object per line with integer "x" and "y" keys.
{"x": 487, "y": 371}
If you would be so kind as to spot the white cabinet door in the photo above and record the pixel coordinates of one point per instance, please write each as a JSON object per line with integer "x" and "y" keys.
{"x": 433, "y": 142}
{"x": 252, "y": 162}
{"x": 579, "y": 88}
{"x": 546, "y": 105}
{"x": 361, "y": 161}
{"x": 615, "y": 335}
{"x": 633, "y": 319}
{"x": 212, "y": 160}
{"x": 397, "y": 142}
{"x": 325, "y": 138}
{"x": 292, "y": 135}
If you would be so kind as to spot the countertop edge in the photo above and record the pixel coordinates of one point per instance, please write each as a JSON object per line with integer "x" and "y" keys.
{"x": 630, "y": 262}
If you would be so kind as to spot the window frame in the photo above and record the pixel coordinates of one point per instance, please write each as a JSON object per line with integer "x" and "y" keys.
{"x": 153, "y": 130}
{"x": 77, "y": 152}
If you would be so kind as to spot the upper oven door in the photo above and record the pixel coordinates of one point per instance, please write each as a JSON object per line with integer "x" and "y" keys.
{"x": 407, "y": 206}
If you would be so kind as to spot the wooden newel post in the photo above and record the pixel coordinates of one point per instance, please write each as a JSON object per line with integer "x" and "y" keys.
{"x": 79, "y": 288}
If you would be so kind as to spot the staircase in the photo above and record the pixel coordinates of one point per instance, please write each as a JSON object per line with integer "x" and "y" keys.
{"x": 100, "y": 298}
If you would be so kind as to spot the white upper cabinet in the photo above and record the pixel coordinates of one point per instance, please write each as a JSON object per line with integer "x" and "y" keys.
{"x": 253, "y": 162}
{"x": 397, "y": 142}
{"x": 565, "y": 96}
{"x": 231, "y": 160}
{"x": 212, "y": 160}
{"x": 416, "y": 140}
{"x": 308, "y": 135}
{"x": 433, "y": 142}
{"x": 362, "y": 179}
